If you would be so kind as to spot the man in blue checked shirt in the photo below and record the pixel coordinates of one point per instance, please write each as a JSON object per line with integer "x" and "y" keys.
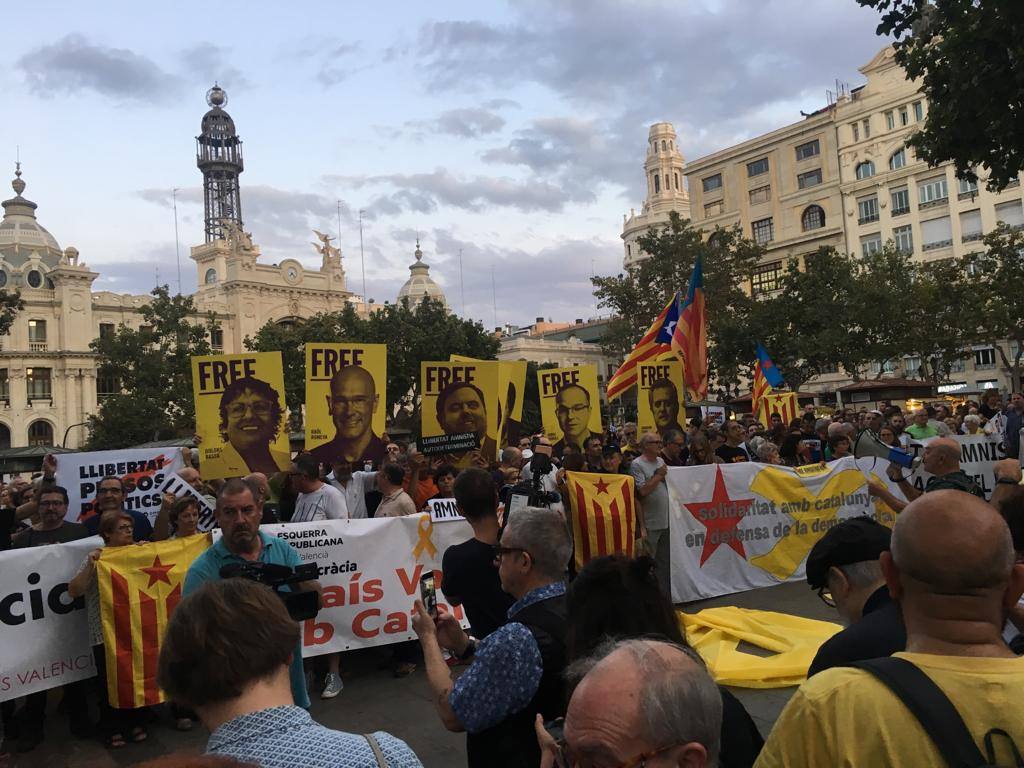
{"x": 517, "y": 670}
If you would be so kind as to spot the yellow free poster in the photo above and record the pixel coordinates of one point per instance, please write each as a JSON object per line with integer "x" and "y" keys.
{"x": 240, "y": 414}
{"x": 659, "y": 397}
{"x": 346, "y": 388}
{"x": 512, "y": 388}
{"x": 570, "y": 405}
{"x": 459, "y": 410}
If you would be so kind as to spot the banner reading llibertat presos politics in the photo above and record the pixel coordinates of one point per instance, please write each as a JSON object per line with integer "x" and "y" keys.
{"x": 369, "y": 569}
{"x": 144, "y": 471}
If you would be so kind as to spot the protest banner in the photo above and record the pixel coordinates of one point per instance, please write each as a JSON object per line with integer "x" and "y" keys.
{"x": 512, "y": 394}
{"x": 178, "y": 488}
{"x": 370, "y": 571}
{"x": 459, "y": 412}
{"x": 346, "y": 400}
{"x": 740, "y": 526}
{"x": 570, "y": 405}
{"x": 240, "y": 414}
{"x": 144, "y": 471}
{"x": 712, "y": 415}
{"x": 443, "y": 510}
{"x": 139, "y": 589}
{"x": 45, "y": 632}
{"x": 659, "y": 397}
{"x": 978, "y": 455}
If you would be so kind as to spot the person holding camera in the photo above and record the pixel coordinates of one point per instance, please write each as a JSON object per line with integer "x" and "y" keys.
{"x": 238, "y": 514}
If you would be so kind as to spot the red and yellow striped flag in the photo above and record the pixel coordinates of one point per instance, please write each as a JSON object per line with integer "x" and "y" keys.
{"x": 783, "y": 403}
{"x": 760, "y": 389}
{"x": 603, "y": 515}
{"x": 140, "y": 586}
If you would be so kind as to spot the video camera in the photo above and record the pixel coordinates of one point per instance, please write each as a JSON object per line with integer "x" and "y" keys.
{"x": 540, "y": 466}
{"x": 300, "y": 605}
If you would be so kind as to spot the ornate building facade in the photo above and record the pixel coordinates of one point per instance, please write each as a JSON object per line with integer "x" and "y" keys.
{"x": 48, "y": 374}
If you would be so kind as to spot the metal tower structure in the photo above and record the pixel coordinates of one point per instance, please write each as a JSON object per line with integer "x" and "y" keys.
{"x": 219, "y": 157}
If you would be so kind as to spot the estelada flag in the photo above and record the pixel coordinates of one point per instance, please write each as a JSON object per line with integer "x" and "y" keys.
{"x": 783, "y": 403}
{"x": 690, "y": 337}
{"x": 140, "y": 586}
{"x": 603, "y": 515}
{"x": 657, "y": 342}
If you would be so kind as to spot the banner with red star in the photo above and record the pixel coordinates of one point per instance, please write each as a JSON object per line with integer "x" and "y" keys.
{"x": 603, "y": 515}
{"x": 741, "y": 526}
{"x": 140, "y": 586}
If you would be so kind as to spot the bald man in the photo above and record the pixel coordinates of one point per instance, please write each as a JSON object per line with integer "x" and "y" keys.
{"x": 955, "y": 591}
{"x": 667, "y": 709}
{"x": 941, "y": 460}
{"x": 352, "y": 403}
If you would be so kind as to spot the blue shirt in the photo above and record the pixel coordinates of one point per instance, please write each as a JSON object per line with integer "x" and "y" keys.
{"x": 506, "y": 670}
{"x": 287, "y": 737}
{"x": 275, "y": 551}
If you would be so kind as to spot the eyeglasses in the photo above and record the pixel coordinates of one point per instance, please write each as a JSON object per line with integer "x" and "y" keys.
{"x": 105, "y": 491}
{"x": 825, "y": 596}
{"x": 565, "y": 759}
{"x": 500, "y": 550}
{"x": 259, "y": 408}
{"x": 52, "y": 503}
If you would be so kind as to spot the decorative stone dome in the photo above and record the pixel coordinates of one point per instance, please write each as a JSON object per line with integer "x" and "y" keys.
{"x": 420, "y": 285}
{"x": 21, "y": 234}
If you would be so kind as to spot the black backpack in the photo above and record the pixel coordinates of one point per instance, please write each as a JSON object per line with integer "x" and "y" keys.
{"x": 937, "y": 715}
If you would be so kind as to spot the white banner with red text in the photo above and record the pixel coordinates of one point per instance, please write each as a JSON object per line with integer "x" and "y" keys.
{"x": 45, "y": 633}
{"x": 369, "y": 570}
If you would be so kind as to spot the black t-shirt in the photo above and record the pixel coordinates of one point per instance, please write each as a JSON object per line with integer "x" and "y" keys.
{"x": 729, "y": 455}
{"x": 880, "y": 632}
{"x": 471, "y": 580}
{"x": 66, "y": 532}
{"x": 6, "y": 526}
{"x": 741, "y": 741}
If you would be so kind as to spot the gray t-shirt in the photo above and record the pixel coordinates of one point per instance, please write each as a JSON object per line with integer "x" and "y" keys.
{"x": 655, "y": 504}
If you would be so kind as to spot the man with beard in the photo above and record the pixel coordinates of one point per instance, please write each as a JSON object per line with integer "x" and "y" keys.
{"x": 352, "y": 403}
{"x": 461, "y": 409}
{"x": 239, "y": 511}
{"x": 664, "y": 401}
{"x": 110, "y": 498}
{"x": 250, "y": 419}
{"x": 572, "y": 409}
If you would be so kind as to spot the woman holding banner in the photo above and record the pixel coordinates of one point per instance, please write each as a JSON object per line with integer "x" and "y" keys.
{"x": 116, "y": 529}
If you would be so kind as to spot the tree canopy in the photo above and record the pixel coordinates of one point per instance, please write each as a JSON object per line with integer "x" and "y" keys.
{"x": 969, "y": 56}
{"x": 152, "y": 368}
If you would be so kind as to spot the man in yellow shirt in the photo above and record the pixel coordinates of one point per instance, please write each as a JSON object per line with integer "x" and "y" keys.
{"x": 952, "y": 570}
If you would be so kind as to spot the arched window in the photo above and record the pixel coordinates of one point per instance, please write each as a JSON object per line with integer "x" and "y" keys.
{"x": 865, "y": 170}
{"x": 211, "y": 276}
{"x": 40, "y": 433}
{"x": 813, "y": 217}
{"x": 35, "y": 279}
{"x": 5, "y": 436}
{"x": 668, "y": 186}
{"x": 662, "y": 145}
{"x": 657, "y": 183}
{"x": 898, "y": 159}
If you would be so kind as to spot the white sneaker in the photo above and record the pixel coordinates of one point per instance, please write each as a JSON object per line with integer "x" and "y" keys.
{"x": 332, "y": 686}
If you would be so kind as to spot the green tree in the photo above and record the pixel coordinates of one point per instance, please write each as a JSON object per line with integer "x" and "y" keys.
{"x": 636, "y": 297}
{"x": 997, "y": 276}
{"x": 153, "y": 368}
{"x": 969, "y": 56}
{"x": 10, "y": 305}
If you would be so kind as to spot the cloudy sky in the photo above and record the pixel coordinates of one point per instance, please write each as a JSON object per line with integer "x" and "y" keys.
{"x": 514, "y": 132}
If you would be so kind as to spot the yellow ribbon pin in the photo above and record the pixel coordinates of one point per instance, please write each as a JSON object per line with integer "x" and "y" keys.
{"x": 425, "y": 542}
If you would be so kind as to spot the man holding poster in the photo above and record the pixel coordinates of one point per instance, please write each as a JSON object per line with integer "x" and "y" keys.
{"x": 239, "y": 414}
{"x": 570, "y": 406}
{"x": 348, "y": 378}
{"x": 456, "y": 421}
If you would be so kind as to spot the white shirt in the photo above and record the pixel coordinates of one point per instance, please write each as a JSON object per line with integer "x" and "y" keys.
{"x": 356, "y": 490}
{"x": 325, "y": 503}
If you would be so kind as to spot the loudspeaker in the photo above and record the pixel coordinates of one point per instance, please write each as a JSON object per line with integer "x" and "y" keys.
{"x": 868, "y": 444}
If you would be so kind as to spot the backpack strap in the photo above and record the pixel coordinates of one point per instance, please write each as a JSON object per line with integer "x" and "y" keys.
{"x": 377, "y": 753}
{"x": 932, "y": 708}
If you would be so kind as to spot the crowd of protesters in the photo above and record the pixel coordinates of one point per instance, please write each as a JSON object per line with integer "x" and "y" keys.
{"x": 547, "y": 650}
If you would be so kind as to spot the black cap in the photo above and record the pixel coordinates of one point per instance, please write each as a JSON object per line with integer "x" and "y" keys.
{"x": 857, "y": 540}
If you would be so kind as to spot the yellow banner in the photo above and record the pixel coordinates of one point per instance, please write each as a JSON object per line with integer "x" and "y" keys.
{"x": 241, "y": 415}
{"x": 139, "y": 587}
{"x": 511, "y": 382}
{"x": 659, "y": 398}
{"x": 570, "y": 405}
{"x": 459, "y": 407}
{"x": 346, "y": 398}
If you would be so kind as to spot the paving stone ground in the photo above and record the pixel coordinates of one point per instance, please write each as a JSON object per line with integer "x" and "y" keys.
{"x": 374, "y": 700}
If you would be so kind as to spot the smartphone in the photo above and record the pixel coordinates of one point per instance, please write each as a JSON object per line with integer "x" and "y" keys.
{"x": 428, "y": 594}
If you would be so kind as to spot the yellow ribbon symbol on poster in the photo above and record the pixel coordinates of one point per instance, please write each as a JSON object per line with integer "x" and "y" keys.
{"x": 426, "y": 530}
